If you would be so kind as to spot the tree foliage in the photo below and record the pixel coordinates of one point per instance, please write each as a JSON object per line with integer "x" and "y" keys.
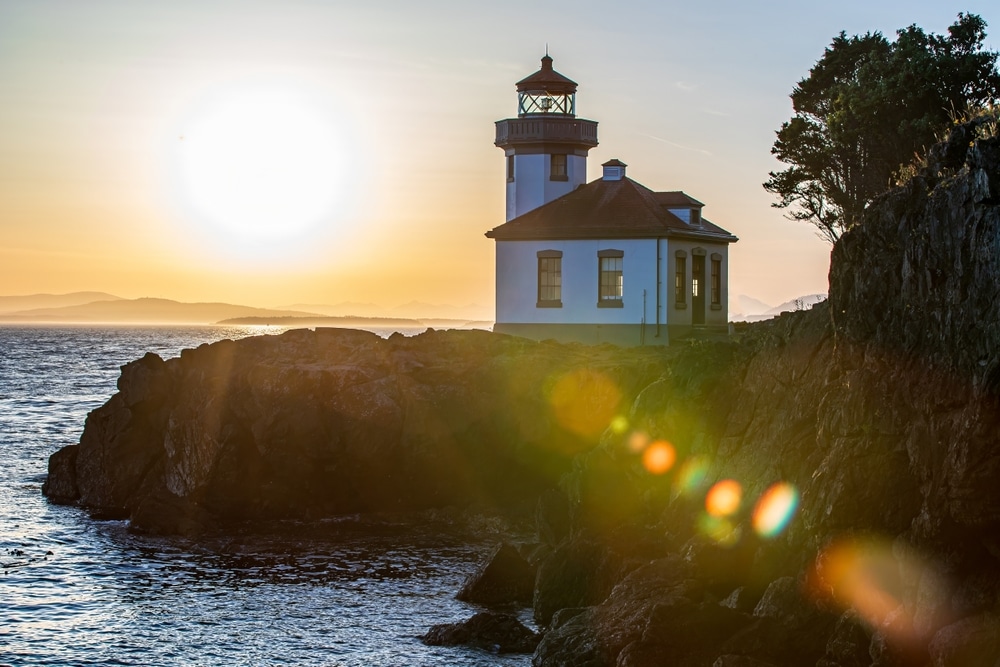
{"x": 867, "y": 109}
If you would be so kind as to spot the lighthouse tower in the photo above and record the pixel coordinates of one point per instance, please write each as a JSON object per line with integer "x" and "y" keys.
{"x": 546, "y": 145}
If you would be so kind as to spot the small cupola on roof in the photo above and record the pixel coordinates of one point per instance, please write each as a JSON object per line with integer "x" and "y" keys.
{"x": 614, "y": 170}
{"x": 546, "y": 92}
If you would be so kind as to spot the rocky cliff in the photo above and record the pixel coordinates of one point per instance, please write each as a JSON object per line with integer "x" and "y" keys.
{"x": 820, "y": 490}
{"x": 878, "y": 411}
{"x": 319, "y": 423}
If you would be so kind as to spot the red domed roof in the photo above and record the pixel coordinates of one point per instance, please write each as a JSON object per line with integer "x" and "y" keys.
{"x": 546, "y": 80}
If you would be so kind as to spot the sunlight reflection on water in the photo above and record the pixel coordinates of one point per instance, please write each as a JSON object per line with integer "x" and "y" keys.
{"x": 78, "y": 591}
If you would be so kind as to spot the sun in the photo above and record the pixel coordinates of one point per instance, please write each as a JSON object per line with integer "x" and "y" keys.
{"x": 261, "y": 165}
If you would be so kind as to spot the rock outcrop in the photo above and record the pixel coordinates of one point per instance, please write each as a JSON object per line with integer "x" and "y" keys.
{"x": 318, "y": 423}
{"x": 506, "y": 579}
{"x": 497, "y": 633}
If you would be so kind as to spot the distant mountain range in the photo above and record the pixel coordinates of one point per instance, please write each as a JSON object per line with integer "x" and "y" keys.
{"x": 146, "y": 310}
{"x": 103, "y": 308}
{"x": 743, "y": 308}
{"x": 12, "y": 304}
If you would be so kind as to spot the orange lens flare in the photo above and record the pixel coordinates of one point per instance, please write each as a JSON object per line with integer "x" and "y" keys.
{"x": 637, "y": 442}
{"x": 584, "y": 402}
{"x": 659, "y": 457}
{"x": 873, "y": 576}
{"x": 862, "y": 574}
{"x": 724, "y": 498}
{"x": 775, "y": 509}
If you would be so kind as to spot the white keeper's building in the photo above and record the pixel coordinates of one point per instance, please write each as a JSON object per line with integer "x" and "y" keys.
{"x": 605, "y": 261}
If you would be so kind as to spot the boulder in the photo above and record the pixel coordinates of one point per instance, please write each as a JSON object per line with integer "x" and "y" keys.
{"x": 741, "y": 599}
{"x": 498, "y": 633}
{"x": 60, "y": 486}
{"x": 683, "y": 634}
{"x": 848, "y": 644}
{"x": 506, "y": 578}
{"x": 970, "y": 642}
{"x": 576, "y": 642}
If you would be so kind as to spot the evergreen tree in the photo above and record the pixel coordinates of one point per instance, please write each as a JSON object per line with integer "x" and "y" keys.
{"x": 867, "y": 109}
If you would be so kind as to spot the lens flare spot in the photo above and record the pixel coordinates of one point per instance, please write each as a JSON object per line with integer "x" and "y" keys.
{"x": 691, "y": 475}
{"x": 619, "y": 424}
{"x": 720, "y": 530}
{"x": 659, "y": 457}
{"x": 584, "y": 402}
{"x": 775, "y": 509}
{"x": 637, "y": 442}
{"x": 859, "y": 574}
{"x": 724, "y": 498}
{"x": 872, "y": 575}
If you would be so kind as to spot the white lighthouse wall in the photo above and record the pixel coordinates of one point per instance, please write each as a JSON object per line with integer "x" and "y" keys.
{"x": 532, "y": 185}
{"x": 580, "y": 318}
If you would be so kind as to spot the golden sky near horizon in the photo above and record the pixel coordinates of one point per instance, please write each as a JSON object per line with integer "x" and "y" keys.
{"x": 376, "y": 121}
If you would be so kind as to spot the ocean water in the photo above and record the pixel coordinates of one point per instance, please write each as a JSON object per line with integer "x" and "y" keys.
{"x": 78, "y": 591}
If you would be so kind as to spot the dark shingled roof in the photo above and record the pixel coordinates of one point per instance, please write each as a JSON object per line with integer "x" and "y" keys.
{"x": 610, "y": 209}
{"x": 677, "y": 199}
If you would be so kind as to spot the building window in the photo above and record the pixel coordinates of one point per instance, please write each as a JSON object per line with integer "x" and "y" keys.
{"x": 610, "y": 284}
{"x": 716, "y": 282}
{"x": 680, "y": 282}
{"x": 510, "y": 168}
{"x": 549, "y": 279}
{"x": 557, "y": 168}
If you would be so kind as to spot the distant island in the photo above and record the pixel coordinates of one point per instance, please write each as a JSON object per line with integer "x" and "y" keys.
{"x": 322, "y": 321}
{"x": 102, "y": 308}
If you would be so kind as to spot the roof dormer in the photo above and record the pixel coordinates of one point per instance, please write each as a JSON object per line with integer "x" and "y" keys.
{"x": 614, "y": 170}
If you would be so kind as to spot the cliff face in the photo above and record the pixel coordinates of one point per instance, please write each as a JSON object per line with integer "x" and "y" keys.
{"x": 878, "y": 412}
{"x": 881, "y": 409}
{"x": 914, "y": 298}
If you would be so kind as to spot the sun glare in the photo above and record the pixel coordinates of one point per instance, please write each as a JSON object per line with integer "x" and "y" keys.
{"x": 261, "y": 165}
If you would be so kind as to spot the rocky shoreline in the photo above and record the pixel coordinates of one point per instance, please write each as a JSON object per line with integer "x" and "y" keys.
{"x": 819, "y": 490}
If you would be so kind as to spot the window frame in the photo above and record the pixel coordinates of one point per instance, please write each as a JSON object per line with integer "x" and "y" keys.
{"x": 547, "y": 261}
{"x": 680, "y": 280}
{"x": 610, "y": 281}
{"x": 716, "y": 281}
{"x": 558, "y": 167}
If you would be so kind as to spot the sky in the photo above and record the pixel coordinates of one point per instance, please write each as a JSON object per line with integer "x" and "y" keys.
{"x": 118, "y": 117}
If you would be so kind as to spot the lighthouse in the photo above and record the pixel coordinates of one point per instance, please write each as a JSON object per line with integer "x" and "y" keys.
{"x": 546, "y": 146}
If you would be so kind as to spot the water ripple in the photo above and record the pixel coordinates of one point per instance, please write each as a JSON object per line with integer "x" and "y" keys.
{"x": 74, "y": 591}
